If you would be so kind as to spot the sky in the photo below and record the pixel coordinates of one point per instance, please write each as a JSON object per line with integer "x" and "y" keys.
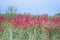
{"x": 34, "y": 7}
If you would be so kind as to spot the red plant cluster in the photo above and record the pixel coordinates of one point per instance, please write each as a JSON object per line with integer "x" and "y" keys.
{"x": 56, "y": 21}
{"x": 25, "y": 21}
{"x": 1, "y": 19}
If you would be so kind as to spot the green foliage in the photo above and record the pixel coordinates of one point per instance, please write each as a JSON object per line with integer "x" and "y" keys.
{"x": 10, "y": 12}
{"x": 57, "y": 15}
{"x": 54, "y": 34}
{"x": 10, "y": 33}
{"x": 10, "y": 15}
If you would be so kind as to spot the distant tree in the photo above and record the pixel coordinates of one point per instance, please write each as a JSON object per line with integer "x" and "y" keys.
{"x": 0, "y": 10}
{"x": 11, "y": 11}
{"x": 58, "y": 14}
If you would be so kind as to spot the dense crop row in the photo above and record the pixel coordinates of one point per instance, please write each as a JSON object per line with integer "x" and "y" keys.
{"x": 40, "y": 27}
{"x": 26, "y": 20}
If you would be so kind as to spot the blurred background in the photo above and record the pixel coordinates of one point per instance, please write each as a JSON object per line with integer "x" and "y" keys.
{"x": 34, "y": 7}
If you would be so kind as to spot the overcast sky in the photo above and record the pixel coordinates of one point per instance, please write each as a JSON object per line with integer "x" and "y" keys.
{"x": 32, "y": 6}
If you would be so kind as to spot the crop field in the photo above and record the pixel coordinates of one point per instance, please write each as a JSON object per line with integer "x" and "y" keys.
{"x": 29, "y": 27}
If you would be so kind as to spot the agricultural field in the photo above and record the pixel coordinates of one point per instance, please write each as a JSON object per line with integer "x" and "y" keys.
{"x": 29, "y": 27}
